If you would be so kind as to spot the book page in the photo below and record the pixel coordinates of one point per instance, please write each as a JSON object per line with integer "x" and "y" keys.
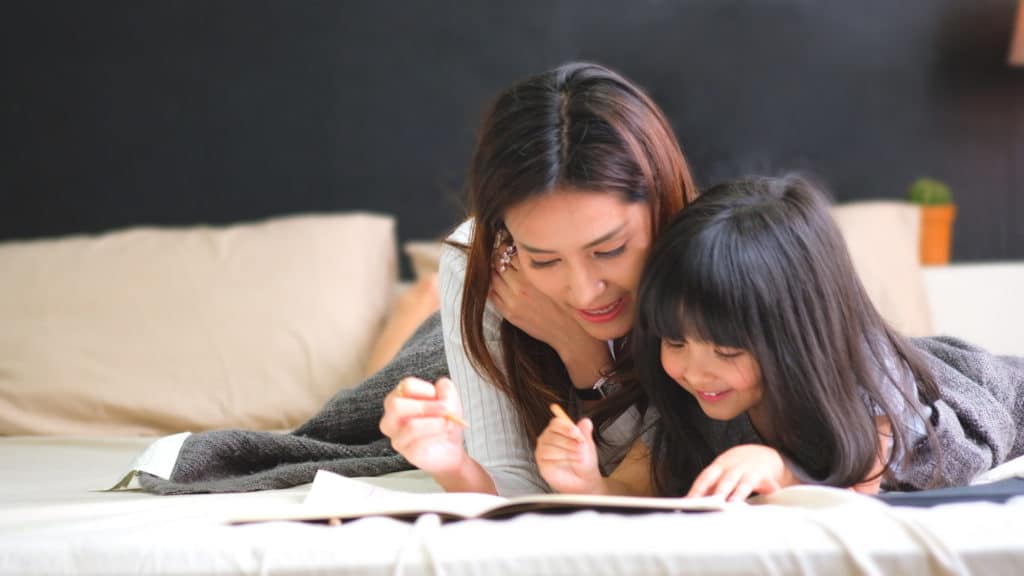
{"x": 566, "y": 502}
{"x": 333, "y": 495}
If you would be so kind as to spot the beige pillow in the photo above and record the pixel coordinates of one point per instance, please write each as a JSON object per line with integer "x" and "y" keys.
{"x": 883, "y": 239}
{"x": 425, "y": 256}
{"x": 151, "y": 331}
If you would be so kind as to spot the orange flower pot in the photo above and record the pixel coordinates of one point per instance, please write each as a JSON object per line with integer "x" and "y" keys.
{"x": 937, "y": 233}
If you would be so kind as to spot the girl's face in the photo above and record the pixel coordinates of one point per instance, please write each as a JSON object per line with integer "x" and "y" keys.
{"x": 725, "y": 381}
{"x": 585, "y": 251}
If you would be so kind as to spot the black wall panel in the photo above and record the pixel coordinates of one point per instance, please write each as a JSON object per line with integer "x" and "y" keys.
{"x": 144, "y": 112}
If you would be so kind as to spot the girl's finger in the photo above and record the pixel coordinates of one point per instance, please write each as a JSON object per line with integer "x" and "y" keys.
{"x": 705, "y": 481}
{"x": 556, "y": 443}
{"x": 744, "y": 488}
{"x": 727, "y": 483}
{"x": 564, "y": 428}
{"x": 767, "y": 486}
{"x": 586, "y": 429}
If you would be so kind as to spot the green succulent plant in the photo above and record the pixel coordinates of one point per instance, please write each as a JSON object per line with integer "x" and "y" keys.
{"x": 930, "y": 191}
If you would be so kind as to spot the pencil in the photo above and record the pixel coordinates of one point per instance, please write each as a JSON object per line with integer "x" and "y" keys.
{"x": 454, "y": 418}
{"x": 559, "y": 412}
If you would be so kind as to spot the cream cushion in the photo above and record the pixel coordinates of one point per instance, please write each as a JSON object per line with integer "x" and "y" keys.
{"x": 151, "y": 331}
{"x": 425, "y": 256}
{"x": 884, "y": 238}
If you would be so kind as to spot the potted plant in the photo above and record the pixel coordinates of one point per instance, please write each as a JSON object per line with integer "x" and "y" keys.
{"x": 937, "y": 215}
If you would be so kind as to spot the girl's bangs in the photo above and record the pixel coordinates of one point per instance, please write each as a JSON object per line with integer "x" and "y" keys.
{"x": 697, "y": 294}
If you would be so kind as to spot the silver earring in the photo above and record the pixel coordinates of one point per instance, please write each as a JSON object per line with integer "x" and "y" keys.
{"x": 506, "y": 258}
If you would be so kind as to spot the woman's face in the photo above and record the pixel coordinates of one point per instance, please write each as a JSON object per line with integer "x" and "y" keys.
{"x": 585, "y": 251}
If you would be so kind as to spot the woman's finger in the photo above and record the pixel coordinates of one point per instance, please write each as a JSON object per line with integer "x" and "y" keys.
{"x": 411, "y": 387}
{"x": 406, "y": 408}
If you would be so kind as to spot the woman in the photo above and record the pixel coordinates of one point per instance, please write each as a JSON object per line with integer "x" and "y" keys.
{"x": 575, "y": 172}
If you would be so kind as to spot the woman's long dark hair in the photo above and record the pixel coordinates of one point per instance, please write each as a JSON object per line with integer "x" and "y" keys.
{"x": 581, "y": 127}
{"x": 759, "y": 264}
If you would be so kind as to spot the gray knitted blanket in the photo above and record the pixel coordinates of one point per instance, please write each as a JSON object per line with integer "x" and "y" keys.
{"x": 980, "y": 422}
{"x": 343, "y": 437}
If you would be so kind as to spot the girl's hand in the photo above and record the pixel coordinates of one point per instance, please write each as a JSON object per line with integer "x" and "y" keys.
{"x": 416, "y": 419}
{"x": 742, "y": 470}
{"x": 567, "y": 457}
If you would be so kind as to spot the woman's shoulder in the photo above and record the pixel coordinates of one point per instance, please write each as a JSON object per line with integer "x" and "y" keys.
{"x": 453, "y": 255}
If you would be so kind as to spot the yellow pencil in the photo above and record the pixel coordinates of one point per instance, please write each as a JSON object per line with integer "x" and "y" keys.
{"x": 559, "y": 412}
{"x": 454, "y": 418}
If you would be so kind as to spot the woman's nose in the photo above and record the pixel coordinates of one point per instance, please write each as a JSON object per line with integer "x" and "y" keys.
{"x": 585, "y": 287}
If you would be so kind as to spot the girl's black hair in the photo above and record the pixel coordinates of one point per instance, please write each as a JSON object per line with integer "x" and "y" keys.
{"x": 759, "y": 264}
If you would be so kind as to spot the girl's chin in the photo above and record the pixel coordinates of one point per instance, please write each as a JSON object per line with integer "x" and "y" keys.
{"x": 717, "y": 412}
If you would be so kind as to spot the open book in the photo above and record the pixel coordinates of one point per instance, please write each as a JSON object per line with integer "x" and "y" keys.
{"x": 334, "y": 498}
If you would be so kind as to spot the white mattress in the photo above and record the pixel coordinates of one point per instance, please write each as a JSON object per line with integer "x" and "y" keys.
{"x": 54, "y": 521}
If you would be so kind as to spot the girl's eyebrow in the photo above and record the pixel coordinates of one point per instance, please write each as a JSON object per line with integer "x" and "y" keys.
{"x": 603, "y": 238}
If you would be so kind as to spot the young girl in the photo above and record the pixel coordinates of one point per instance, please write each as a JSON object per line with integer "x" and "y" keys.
{"x": 750, "y": 308}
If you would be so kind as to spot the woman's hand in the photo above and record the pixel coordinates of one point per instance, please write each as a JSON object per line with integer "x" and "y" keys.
{"x": 742, "y": 470}
{"x": 567, "y": 457}
{"x": 416, "y": 418}
{"x": 535, "y": 313}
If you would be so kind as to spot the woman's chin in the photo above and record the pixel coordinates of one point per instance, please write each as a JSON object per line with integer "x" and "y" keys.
{"x": 612, "y": 330}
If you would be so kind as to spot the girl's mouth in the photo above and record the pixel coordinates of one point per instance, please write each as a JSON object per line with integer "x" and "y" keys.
{"x": 603, "y": 314}
{"x": 713, "y": 396}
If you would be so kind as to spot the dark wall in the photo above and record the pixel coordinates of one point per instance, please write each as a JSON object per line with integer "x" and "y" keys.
{"x": 141, "y": 112}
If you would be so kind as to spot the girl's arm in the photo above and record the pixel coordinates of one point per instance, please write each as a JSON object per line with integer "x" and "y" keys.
{"x": 873, "y": 483}
{"x": 632, "y": 477}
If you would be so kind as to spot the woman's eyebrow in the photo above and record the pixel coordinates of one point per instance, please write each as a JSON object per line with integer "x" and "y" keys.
{"x": 603, "y": 238}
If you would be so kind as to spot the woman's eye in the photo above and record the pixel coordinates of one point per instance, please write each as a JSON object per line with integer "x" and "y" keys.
{"x": 728, "y": 352}
{"x": 673, "y": 343}
{"x": 611, "y": 253}
{"x": 542, "y": 263}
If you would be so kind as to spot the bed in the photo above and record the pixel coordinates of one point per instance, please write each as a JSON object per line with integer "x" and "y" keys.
{"x": 113, "y": 340}
{"x": 56, "y": 522}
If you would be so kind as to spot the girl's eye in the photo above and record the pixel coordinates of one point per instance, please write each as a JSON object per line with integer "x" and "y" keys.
{"x": 542, "y": 263}
{"x": 611, "y": 253}
{"x": 670, "y": 343}
{"x": 728, "y": 352}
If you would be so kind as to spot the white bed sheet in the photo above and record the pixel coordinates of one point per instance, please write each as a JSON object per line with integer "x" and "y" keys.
{"x": 54, "y": 521}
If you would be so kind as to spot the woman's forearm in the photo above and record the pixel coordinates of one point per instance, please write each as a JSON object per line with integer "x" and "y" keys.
{"x": 470, "y": 476}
